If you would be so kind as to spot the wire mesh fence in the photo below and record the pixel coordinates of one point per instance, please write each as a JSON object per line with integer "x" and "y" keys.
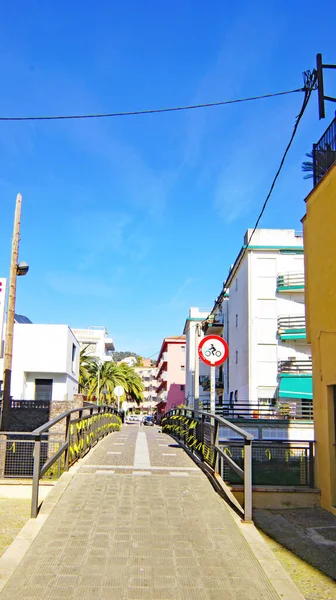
{"x": 273, "y": 463}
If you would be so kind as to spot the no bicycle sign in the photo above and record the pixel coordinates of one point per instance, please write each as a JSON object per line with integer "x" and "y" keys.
{"x": 213, "y": 350}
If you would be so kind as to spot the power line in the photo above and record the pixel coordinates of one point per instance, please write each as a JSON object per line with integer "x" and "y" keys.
{"x": 149, "y": 111}
{"x": 310, "y": 85}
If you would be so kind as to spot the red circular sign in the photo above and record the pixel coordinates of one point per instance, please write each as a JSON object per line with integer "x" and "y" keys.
{"x": 213, "y": 350}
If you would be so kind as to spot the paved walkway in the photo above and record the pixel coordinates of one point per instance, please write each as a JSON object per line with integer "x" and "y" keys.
{"x": 140, "y": 521}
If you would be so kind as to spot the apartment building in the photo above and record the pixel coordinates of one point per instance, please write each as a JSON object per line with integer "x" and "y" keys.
{"x": 96, "y": 341}
{"x": 171, "y": 374}
{"x": 148, "y": 378}
{"x": 196, "y": 370}
{"x": 270, "y": 358}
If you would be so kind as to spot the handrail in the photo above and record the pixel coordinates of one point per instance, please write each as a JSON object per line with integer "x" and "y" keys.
{"x": 77, "y": 437}
{"x": 199, "y": 431}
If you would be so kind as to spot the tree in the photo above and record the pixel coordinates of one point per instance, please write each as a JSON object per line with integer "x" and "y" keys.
{"x": 324, "y": 159}
{"x": 134, "y": 385}
{"x": 109, "y": 375}
{"x": 86, "y": 361}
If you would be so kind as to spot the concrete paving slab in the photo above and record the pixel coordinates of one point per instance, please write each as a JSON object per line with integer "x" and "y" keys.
{"x": 168, "y": 536}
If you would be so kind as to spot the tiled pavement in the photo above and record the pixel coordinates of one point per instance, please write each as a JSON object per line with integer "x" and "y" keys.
{"x": 139, "y": 520}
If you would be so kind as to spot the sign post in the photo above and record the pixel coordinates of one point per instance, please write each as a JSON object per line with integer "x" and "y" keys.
{"x": 213, "y": 351}
{"x": 119, "y": 391}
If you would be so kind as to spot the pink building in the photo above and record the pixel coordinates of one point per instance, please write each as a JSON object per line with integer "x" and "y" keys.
{"x": 171, "y": 374}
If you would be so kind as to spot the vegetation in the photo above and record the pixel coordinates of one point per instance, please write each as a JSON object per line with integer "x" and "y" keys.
{"x": 98, "y": 380}
{"x": 117, "y": 356}
{"x": 325, "y": 158}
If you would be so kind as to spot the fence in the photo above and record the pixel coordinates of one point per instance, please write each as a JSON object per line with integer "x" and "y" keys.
{"x": 290, "y": 280}
{"x": 295, "y": 366}
{"x": 199, "y": 431}
{"x": 324, "y": 152}
{"x": 279, "y": 411}
{"x": 273, "y": 463}
{"x": 62, "y": 440}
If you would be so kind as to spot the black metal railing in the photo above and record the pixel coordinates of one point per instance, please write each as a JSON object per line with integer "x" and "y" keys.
{"x": 278, "y": 412}
{"x": 62, "y": 440}
{"x": 199, "y": 432}
{"x": 291, "y": 322}
{"x": 290, "y": 281}
{"x": 324, "y": 153}
{"x": 295, "y": 366}
{"x": 274, "y": 463}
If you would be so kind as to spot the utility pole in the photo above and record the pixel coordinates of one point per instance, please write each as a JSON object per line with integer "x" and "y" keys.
{"x": 320, "y": 85}
{"x": 196, "y": 370}
{"x": 10, "y": 315}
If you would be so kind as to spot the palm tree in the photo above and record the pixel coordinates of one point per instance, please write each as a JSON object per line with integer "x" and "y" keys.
{"x": 86, "y": 361}
{"x": 134, "y": 386}
{"x": 324, "y": 159}
{"x": 109, "y": 375}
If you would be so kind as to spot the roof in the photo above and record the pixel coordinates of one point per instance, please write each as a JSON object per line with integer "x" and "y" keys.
{"x": 22, "y": 319}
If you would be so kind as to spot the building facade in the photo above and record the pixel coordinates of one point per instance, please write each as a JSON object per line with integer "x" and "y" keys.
{"x": 196, "y": 370}
{"x": 45, "y": 363}
{"x": 320, "y": 273}
{"x": 171, "y": 374}
{"x": 148, "y": 378}
{"x": 261, "y": 314}
{"x": 96, "y": 341}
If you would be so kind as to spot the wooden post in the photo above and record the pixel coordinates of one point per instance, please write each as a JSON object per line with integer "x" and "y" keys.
{"x": 10, "y": 315}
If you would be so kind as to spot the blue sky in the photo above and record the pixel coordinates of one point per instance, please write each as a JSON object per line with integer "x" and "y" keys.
{"x": 128, "y": 222}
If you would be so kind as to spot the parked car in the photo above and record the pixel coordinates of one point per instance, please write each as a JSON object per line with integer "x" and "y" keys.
{"x": 132, "y": 420}
{"x": 148, "y": 420}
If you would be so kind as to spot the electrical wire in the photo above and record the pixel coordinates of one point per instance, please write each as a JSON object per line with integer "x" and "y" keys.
{"x": 308, "y": 91}
{"x": 149, "y": 111}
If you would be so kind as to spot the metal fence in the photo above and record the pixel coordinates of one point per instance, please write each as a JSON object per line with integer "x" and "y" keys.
{"x": 273, "y": 463}
{"x": 324, "y": 152}
{"x": 279, "y": 411}
{"x": 295, "y": 366}
{"x": 199, "y": 431}
{"x": 52, "y": 448}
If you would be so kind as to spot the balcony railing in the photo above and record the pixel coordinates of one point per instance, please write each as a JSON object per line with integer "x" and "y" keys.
{"x": 205, "y": 383}
{"x": 295, "y": 366}
{"x": 289, "y": 282}
{"x": 324, "y": 153}
{"x": 213, "y": 324}
{"x": 278, "y": 411}
{"x": 292, "y": 327}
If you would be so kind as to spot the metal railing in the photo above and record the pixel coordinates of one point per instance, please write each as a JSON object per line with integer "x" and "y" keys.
{"x": 64, "y": 440}
{"x": 278, "y": 411}
{"x": 290, "y": 280}
{"x": 295, "y": 366}
{"x": 199, "y": 431}
{"x": 278, "y": 463}
{"x": 291, "y": 322}
{"x": 324, "y": 152}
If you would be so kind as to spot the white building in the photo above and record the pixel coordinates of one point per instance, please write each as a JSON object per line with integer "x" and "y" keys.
{"x": 269, "y": 361}
{"x": 45, "y": 363}
{"x": 194, "y": 366}
{"x": 96, "y": 341}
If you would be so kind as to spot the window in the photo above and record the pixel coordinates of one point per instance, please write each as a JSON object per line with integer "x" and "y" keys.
{"x": 73, "y": 357}
{"x": 231, "y": 399}
{"x": 237, "y": 284}
{"x": 182, "y": 388}
{"x": 183, "y": 348}
{"x": 236, "y": 357}
{"x": 43, "y": 389}
{"x": 236, "y": 320}
{"x": 182, "y": 367}
{"x": 236, "y": 396}
{"x": 220, "y": 400}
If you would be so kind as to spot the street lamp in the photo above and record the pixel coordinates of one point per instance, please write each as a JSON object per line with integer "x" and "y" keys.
{"x": 99, "y": 366}
{"x": 17, "y": 269}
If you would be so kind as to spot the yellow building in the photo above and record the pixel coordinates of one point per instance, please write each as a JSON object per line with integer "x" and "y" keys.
{"x": 320, "y": 271}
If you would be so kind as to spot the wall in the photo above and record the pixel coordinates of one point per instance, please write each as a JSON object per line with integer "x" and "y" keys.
{"x": 44, "y": 351}
{"x": 320, "y": 261}
{"x": 175, "y": 376}
{"x": 238, "y": 336}
{"x": 191, "y": 330}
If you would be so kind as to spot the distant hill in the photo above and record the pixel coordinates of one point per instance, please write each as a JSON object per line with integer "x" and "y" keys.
{"x": 120, "y": 355}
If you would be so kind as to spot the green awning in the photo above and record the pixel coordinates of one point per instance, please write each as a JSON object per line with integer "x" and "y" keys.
{"x": 296, "y": 386}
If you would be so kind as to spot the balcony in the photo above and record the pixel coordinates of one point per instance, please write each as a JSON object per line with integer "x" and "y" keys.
{"x": 205, "y": 383}
{"x": 213, "y": 325}
{"x": 292, "y": 328}
{"x": 278, "y": 411}
{"x": 296, "y": 381}
{"x": 295, "y": 367}
{"x": 163, "y": 360}
{"x": 290, "y": 282}
{"x": 324, "y": 153}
